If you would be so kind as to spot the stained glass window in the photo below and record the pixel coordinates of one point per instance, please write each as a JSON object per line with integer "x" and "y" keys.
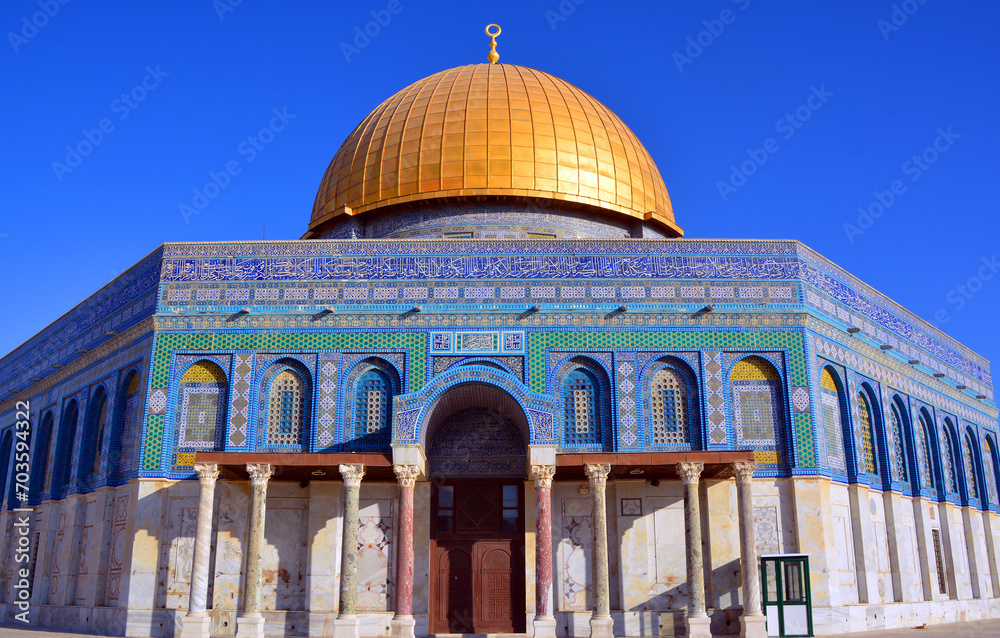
{"x": 868, "y": 447}
{"x": 668, "y": 408}
{"x": 989, "y": 469}
{"x": 832, "y": 422}
{"x": 286, "y": 409}
{"x": 581, "y": 415}
{"x": 131, "y": 426}
{"x": 202, "y": 414}
{"x": 898, "y": 444}
{"x": 372, "y": 409}
{"x": 947, "y": 452}
{"x": 924, "y": 453}
{"x": 756, "y": 405}
{"x": 970, "y": 468}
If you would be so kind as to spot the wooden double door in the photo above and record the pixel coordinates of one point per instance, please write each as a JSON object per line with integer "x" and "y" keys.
{"x": 477, "y": 557}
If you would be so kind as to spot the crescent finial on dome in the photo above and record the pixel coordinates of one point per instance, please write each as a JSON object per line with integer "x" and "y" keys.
{"x": 493, "y": 56}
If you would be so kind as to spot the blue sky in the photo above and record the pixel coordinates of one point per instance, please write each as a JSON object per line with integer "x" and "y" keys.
{"x": 766, "y": 120}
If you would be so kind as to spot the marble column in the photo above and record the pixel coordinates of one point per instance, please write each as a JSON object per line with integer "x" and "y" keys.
{"x": 696, "y": 620}
{"x": 752, "y": 622}
{"x": 196, "y": 623}
{"x": 544, "y": 623}
{"x": 250, "y": 622}
{"x": 402, "y": 621}
{"x": 601, "y": 624}
{"x": 345, "y": 625}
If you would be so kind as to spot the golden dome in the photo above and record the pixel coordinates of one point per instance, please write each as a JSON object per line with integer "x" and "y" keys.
{"x": 494, "y": 130}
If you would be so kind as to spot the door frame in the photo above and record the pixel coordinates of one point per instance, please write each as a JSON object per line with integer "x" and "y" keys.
{"x": 516, "y": 539}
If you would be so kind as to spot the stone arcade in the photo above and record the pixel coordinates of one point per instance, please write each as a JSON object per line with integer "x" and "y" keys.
{"x": 492, "y": 390}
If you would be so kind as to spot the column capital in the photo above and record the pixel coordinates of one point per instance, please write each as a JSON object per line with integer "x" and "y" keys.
{"x": 207, "y": 473}
{"x": 406, "y": 475}
{"x": 597, "y": 473}
{"x": 259, "y": 473}
{"x": 352, "y": 474}
{"x": 543, "y": 475}
{"x": 690, "y": 471}
{"x": 744, "y": 471}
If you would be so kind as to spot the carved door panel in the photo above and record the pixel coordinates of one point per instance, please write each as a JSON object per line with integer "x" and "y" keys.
{"x": 455, "y": 591}
{"x": 495, "y": 596}
{"x": 477, "y": 581}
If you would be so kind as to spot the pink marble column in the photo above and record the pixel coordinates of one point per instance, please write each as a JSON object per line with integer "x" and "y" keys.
{"x": 545, "y": 622}
{"x": 402, "y": 622}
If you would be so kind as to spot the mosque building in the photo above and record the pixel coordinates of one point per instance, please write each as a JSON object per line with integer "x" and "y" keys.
{"x": 492, "y": 390}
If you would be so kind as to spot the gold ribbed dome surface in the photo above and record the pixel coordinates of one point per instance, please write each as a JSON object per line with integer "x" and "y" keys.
{"x": 493, "y": 130}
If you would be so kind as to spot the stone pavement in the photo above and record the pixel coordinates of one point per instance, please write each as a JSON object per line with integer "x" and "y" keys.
{"x": 977, "y": 629}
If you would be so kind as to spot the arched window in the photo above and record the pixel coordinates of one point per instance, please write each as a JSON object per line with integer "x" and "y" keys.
{"x": 201, "y": 410}
{"x": 372, "y": 410}
{"x": 970, "y": 468}
{"x": 40, "y": 459}
{"x": 924, "y": 451}
{"x": 5, "y": 447}
{"x": 898, "y": 444}
{"x": 125, "y": 443}
{"x": 64, "y": 450}
{"x": 670, "y": 420}
{"x": 582, "y": 425}
{"x": 990, "y": 469}
{"x": 757, "y": 408}
{"x": 869, "y": 450}
{"x": 833, "y": 422}
{"x": 286, "y": 410}
{"x": 948, "y": 456}
{"x": 93, "y": 438}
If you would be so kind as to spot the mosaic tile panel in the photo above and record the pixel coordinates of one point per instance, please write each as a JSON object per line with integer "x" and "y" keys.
{"x": 414, "y": 343}
{"x": 326, "y": 414}
{"x": 628, "y": 419}
{"x": 715, "y": 401}
{"x": 239, "y": 409}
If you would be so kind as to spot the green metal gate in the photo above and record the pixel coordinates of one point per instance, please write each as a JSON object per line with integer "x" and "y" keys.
{"x": 786, "y": 594}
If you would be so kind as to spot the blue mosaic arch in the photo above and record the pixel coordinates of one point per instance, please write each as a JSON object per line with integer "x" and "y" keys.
{"x": 973, "y": 462}
{"x": 926, "y": 455}
{"x": 5, "y": 458}
{"x": 199, "y": 408}
{"x": 126, "y": 426}
{"x": 899, "y": 433}
{"x": 62, "y": 474}
{"x": 991, "y": 462}
{"x": 758, "y": 396}
{"x": 92, "y": 443}
{"x": 583, "y": 389}
{"x": 879, "y": 440}
{"x": 369, "y": 389}
{"x": 284, "y": 406}
{"x": 410, "y": 411}
{"x": 950, "y": 460}
{"x": 40, "y": 458}
{"x": 835, "y": 419}
{"x": 688, "y": 433}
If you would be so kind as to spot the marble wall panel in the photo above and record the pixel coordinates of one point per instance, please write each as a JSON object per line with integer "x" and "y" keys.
{"x": 669, "y": 588}
{"x": 376, "y": 554}
{"x": 574, "y": 554}
{"x": 843, "y": 572}
{"x": 286, "y": 541}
